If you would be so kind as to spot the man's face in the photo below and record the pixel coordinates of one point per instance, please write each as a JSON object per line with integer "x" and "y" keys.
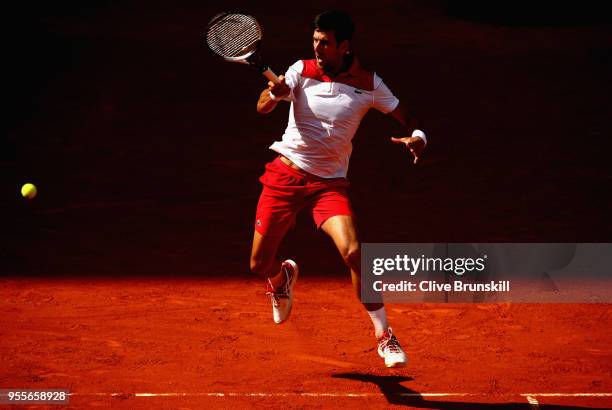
{"x": 328, "y": 53}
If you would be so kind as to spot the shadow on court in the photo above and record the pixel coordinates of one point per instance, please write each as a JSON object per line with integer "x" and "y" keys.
{"x": 400, "y": 395}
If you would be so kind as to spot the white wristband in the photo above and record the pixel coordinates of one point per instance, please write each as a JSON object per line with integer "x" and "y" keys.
{"x": 273, "y": 97}
{"x": 420, "y": 134}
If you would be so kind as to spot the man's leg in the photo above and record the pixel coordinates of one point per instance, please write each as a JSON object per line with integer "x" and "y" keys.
{"x": 263, "y": 258}
{"x": 342, "y": 230}
{"x": 281, "y": 276}
{"x": 280, "y": 200}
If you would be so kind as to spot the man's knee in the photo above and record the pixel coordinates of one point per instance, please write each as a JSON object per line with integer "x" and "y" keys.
{"x": 351, "y": 254}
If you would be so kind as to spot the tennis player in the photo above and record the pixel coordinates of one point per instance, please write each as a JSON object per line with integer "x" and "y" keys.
{"x": 329, "y": 96}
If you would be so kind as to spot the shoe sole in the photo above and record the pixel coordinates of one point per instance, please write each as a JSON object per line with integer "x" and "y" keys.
{"x": 296, "y": 272}
{"x": 396, "y": 365}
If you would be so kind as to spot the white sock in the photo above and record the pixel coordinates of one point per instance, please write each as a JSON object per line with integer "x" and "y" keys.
{"x": 379, "y": 319}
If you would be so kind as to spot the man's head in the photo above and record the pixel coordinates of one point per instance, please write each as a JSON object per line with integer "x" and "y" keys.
{"x": 333, "y": 32}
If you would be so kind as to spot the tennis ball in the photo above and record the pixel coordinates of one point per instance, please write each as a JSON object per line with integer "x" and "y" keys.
{"x": 28, "y": 191}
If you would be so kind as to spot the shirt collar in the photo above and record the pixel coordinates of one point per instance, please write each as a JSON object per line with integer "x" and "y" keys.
{"x": 353, "y": 70}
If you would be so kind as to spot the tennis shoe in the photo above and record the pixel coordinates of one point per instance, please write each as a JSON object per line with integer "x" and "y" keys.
{"x": 282, "y": 297}
{"x": 390, "y": 350}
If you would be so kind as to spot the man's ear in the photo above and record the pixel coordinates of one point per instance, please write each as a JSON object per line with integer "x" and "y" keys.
{"x": 344, "y": 47}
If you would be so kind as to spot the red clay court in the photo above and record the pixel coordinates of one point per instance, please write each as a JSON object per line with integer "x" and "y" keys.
{"x": 126, "y": 280}
{"x": 179, "y": 343}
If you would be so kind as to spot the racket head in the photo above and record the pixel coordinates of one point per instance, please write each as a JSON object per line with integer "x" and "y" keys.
{"x": 233, "y": 36}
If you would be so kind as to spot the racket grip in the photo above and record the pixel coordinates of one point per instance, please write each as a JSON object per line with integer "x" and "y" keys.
{"x": 270, "y": 75}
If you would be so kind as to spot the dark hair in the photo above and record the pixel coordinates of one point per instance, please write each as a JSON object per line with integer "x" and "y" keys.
{"x": 337, "y": 21}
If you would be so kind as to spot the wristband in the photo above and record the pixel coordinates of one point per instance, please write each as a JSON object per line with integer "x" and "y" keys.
{"x": 273, "y": 97}
{"x": 418, "y": 133}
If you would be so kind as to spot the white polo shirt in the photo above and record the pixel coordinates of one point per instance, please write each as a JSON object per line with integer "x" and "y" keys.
{"x": 325, "y": 114}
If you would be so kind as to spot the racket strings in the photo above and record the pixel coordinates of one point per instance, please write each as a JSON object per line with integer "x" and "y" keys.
{"x": 233, "y": 35}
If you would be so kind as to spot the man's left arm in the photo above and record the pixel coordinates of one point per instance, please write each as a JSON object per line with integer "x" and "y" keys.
{"x": 415, "y": 143}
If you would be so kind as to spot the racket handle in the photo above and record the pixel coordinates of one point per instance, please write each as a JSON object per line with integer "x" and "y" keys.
{"x": 270, "y": 75}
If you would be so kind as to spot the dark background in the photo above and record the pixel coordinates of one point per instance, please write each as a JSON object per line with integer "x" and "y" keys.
{"x": 146, "y": 150}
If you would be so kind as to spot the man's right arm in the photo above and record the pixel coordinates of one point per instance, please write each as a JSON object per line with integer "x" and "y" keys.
{"x": 266, "y": 104}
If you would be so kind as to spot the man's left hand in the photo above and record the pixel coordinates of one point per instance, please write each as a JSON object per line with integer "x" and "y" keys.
{"x": 416, "y": 145}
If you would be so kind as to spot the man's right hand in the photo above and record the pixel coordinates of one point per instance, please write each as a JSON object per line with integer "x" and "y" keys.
{"x": 280, "y": 89}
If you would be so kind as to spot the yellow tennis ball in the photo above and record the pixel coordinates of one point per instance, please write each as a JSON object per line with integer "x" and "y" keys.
{"x": 28, "y": 191}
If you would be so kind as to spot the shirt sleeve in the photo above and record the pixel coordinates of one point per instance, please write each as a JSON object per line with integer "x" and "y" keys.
{"x": 382, "y": 97}
{"x": 292, "y": 79}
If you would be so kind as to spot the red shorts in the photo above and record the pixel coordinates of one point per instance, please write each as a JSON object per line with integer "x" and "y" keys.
{"x": 286, "y": 191}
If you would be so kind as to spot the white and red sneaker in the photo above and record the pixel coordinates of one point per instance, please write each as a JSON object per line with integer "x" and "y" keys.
{"x": 282, "y": 297}
{"x": 390, "y": 350}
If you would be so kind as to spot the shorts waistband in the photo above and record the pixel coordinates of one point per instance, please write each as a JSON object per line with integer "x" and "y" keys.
{"x": 294, "y": 169}
{"x": 291, "y": 167}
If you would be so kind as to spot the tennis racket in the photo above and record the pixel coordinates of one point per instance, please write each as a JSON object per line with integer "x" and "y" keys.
{"x": 236, "y": 37}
